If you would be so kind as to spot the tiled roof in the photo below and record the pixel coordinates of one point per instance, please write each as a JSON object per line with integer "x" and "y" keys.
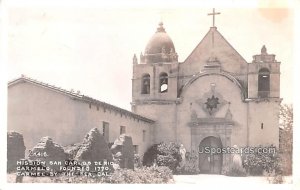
{"x": 79, "y": 96}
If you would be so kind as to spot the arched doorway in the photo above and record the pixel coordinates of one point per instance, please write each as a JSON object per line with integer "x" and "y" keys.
{"x": 210, "y": 159}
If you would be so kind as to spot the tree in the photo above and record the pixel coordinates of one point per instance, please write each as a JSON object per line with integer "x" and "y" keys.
{"x": 286, "y": 137}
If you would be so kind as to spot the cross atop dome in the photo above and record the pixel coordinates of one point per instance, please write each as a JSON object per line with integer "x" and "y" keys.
{"x": 161, "y": 27}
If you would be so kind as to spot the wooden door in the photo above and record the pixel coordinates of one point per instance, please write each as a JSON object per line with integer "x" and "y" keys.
{"x": 210, "y": 163}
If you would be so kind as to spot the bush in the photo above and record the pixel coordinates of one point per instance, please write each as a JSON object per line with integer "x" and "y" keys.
{"x": 144, "y": 175}
{"x": 278, "y": 179}
{"x": 163, "y": 154}
{"x": 137, "y": 161}
{"x": 167, "y": 160}
{"x": 255, "y": 163}
{"x": 286, "y": 138}
{"x": 286, "y": 162}
{"x": 190, "y": 166}
{"x": 235, "y": 171}
{"x": 150, "y": 155}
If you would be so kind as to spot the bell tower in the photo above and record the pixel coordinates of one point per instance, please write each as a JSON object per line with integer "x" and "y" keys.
{"x": 154, "y": 79}
{"x": 154, "y": 82}
{"x": 263, "y": 99}
{"x": 264, "y": 76}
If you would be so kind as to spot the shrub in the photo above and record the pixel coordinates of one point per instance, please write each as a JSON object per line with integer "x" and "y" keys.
{"x": 150, "y": 155}
{"x": 235, "y": 171}
{"x": 163, "y": 154}
{"x": 285, "y": 162}
{"x": 278, "y": 179}
{"x": 255, "y": 163}
{"x": 190, "y": 166}
{"x": 143, "y": 175}
{"x": 137, "y": 161}
{"x": 167, "y": 160}
{"x": 286, "y": 138}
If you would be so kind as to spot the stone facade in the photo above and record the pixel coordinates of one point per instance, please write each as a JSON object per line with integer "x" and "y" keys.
{"x": 215, "y": 92}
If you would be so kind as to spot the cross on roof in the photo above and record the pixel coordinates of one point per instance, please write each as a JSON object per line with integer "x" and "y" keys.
{"x": 213, "y": 14}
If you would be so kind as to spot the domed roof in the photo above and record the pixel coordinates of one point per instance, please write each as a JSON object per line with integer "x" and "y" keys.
{"x": 160, "y": 47}
{"x": 159, "y": 41}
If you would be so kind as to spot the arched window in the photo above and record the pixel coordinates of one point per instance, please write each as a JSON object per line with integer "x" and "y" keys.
{"x": 263, "y": 83}
{"x": 146, "y": 84}
{"x": 163, "y": 82}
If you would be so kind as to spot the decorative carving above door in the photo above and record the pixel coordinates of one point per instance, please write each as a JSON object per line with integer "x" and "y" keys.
{"x": 212, "y": 101}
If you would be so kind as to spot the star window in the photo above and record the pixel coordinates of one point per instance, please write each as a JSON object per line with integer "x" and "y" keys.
{"x": 212, "y": 103}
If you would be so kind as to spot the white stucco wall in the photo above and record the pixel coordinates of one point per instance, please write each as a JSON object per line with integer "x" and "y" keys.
{"x": 36, "y": 111}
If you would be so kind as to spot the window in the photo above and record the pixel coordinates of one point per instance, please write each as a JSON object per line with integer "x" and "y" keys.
{"x": 146, "y": 84}
{"x": 90, "y": 105}
{"x": 262, "y": 126}
{"x": 122, "y": 130}
{"x": 144, "y": 135}
{"x": 263, "y": 83}
{"x": 136, "y": 149}
{"x": 163, "y": 82}
{"x": 105, "y": 130}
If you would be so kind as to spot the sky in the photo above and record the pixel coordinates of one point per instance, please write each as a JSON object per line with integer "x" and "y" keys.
{"x": 90, "y": 48}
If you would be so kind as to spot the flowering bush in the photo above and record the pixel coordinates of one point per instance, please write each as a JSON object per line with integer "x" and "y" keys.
{"x": 163, "y": 154}
{"x": 257, "y": 162}
{"x": 190, "y": 165}
{"x": 152, "y": 174}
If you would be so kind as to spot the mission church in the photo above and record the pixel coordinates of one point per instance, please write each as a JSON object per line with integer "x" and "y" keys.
{"x": 213, "y": 98}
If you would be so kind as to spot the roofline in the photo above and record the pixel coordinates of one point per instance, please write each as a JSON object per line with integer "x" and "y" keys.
{"x": 232, "y": 46}
{"x": 115, "y": 108}
{"x": 196, "y": 47}
{"x": 78, "y": 96}
{"x": 45, "y": 85}
{"x": 223, "y": 39}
